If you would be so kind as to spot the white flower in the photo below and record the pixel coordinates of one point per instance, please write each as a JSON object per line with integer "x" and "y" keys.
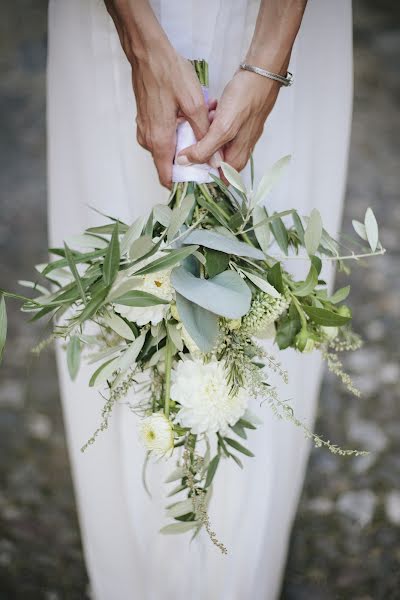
{"x": 159, "y": 285}
{"x": 205, "y": 398}
{"x": 156, "y": 434}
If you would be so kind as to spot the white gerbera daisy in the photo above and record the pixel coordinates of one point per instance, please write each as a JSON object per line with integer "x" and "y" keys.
{"x": 156, "y": 433}
{"x": 202, "y": 391}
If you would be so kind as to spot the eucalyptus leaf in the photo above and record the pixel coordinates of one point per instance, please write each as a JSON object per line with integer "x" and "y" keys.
{"x": 233, "y": 177}
{"x": 73, "y": 356}
{"x": 226, "y": 294}
{"x": 313, "y": 232}
{"x": 201, "y": 324}
{"x": 371, "y": 229}
{"x": 216, "y": 241}
{"x": 112, "y": 258}
{"x": 270, "y": 179}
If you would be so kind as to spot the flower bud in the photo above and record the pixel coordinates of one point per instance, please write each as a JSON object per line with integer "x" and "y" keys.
{"x": 304, "y": 341}
{"x": 344, "y": 311}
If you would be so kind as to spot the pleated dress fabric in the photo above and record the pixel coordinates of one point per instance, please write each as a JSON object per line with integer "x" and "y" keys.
{"x": 94, "y": 160}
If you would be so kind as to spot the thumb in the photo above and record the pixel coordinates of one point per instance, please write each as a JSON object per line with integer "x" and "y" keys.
{"x": 205, "y": 151}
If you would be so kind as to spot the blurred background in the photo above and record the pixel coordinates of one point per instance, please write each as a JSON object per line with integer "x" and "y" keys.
{"x": 346, "y": 538}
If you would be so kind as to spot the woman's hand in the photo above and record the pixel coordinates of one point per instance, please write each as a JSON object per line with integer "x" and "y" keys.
{"x": 238, "y": 121}
{"x": 165, "y": 84}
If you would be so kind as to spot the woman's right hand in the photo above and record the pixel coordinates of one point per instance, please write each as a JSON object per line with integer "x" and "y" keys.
{"x": 166, "y": 89}
{"x": 165, "y": 84}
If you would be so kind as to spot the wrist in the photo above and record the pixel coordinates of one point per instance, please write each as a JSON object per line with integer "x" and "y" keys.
{"x": 271, "y": 58}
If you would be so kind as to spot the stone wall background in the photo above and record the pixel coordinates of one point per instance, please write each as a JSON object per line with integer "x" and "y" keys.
{"x": 346, "y": 538}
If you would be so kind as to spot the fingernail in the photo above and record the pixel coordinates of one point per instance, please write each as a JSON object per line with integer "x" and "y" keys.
{"x": 183, "y": 161}
{"x": 215, "y": 160}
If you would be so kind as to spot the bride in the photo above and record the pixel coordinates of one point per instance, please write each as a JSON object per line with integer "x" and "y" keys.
{"x": 96, "y": 52}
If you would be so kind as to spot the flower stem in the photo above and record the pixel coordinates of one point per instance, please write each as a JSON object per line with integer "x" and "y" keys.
{"x": 168, "y": 366}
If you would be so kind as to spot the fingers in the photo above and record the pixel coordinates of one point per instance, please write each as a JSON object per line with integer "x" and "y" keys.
{"x": 207, "y": 147}
{"x": 196, "y": 113}
{"x": 161, "y": 144}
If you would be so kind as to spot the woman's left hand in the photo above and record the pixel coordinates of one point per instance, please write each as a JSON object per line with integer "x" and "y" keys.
{"x": 238, "y": 121}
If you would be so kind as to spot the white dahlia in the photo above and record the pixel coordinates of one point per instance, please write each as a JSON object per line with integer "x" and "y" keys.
{"x": 204, "y": 395}
{"x": 156, "y": 433}
{"x": 159, "y": 285}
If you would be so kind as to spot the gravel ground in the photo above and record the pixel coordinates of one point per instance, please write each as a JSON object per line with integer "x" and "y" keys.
{"x": 346, "y": 538}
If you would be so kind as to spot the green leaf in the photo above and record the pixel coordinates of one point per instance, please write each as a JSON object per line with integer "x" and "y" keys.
{"x": 179, "y": 215}
{"x": 288, "y": 328}
{"x": 270, "y": 179}
{"x": 87, "y": 241}
{"x": 212, "y": 468}
{"x": 317, "y": 263}
{"x": 216, "y": 241}
{"x": 325, "y": 317}
{"x": 298, "y": 225}
{"x": 107, "y": 229}
{"x": 73, "y": 356}
{"x": 175, "y": 335}
{"x": 304, "y": 288}
{"x": 103, "y": 372}
{"x": 202, "y": 201}
{"x": 359, "y": 228}
{"x": 313, "y": 233}
{"x": 216, "y": 262}
{"x": 246, "y": 424}
{"x": 175, "y": 528}
{"x": 94, "y": 304}
{"x": 262, "y": 284}
{"x": 371, "y": 229}
{"x": 168, "y": 260}
{"x": 234, "y": 444}
{"x": 3, "y": 326}
{"x": 141, "y": 247}
{"x": 262, "y": 232}
{"x": 239, "y": 430}
{"x": 179, "y": 509}
{"x": 225, "y": 294}
{"x": 132, "y": 235}
{"x": 128, "y": 358}
{"x": 233, "y": 177}
{"x": 111, "y": 259}
{"x": 162, "y": 214}
{"x": 280, "y": 234}
{"x": 340, "y": 295}
{"x": 201, "y": 325}
{"x": 74, "y": 271}
{"x": 139, "y": 298}
{"x": 117, "y": 324}
{"x": 275, "y": 277}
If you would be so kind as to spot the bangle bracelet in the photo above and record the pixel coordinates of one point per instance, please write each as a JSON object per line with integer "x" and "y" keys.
{"x": 286, "y": 81}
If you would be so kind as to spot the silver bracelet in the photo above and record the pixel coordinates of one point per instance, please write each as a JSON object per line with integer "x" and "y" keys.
{"x": 286, "y": 81}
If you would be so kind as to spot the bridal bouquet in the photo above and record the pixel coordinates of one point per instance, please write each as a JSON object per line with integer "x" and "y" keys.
{"x": 171, "y": 308}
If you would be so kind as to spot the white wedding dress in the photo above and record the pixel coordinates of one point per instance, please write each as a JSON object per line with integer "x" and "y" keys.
{"x": 94, "y": 159}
